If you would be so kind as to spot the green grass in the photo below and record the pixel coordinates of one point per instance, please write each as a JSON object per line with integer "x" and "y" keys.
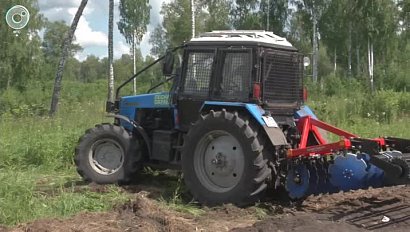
{"x": 31, "y": 194}
{"x": 37, "y": 174}
{"x": 361, "y": 114}
{"x": 174, "y": 200}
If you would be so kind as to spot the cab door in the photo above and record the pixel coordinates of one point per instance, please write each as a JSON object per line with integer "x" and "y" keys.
{"x": 197, "y": 72}
{"x": 233, "y": 75}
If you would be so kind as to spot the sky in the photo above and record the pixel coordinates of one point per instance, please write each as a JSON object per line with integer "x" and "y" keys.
{"x": 92, "y": 30}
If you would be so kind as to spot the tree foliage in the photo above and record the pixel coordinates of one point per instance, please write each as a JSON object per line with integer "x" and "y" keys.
{"x": 344, "y": 31}
{"x": 134, "y": 18}
{"x": 52, "y": 42}
{"x": 20, "y": 57}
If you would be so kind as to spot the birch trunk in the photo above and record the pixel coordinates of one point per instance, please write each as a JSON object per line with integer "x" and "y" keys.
{"x": 371, "y": 63}
{"x": 315, "y": 50}
{"x": 350, "y": 51}
{"x": 134, "y": 48}
{"x": 358, "y": 71}
{"x": 66, "y": 45}
{"x": 110, "y": 97}
{"x": 335, "y": 61}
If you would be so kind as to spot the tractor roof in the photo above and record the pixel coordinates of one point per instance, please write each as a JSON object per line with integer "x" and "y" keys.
{"x": 248, "y": 37}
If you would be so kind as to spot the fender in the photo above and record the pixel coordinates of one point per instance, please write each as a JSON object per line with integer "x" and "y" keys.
{"x": 274, "y": 133}
{"x": 137, "y": 127}
{"x": 304, "y": 111}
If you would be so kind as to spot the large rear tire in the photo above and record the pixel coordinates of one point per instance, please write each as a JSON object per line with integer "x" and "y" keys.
{"x": 107, "y": 154}
{"x": 222, "y": 160}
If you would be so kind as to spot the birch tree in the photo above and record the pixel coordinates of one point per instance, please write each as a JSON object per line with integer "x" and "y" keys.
{"x": 66, "y": 46}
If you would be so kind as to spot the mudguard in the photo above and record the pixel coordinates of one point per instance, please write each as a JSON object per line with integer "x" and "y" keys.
{"x": 138, "y": 129}
{"x": 273, "y": 131}
{"x": 305, "y": 111}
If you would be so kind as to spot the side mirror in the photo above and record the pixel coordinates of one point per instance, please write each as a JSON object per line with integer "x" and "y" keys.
{"x": 168, "y": 64}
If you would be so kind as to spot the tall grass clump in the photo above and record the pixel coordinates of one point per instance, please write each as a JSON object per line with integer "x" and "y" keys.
{"x": 347, "y": 103}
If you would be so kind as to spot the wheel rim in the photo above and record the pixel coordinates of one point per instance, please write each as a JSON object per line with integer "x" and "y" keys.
{"x": 219, "y": 161}
{"x": 106, "y": 156}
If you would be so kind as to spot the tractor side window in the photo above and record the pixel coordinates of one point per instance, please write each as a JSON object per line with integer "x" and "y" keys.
{"x": 198, "y": 74}
{"x": 236, "y": 75}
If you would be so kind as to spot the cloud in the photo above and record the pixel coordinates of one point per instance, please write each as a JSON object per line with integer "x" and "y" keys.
{"x": 155, "y": 16}
{"x": 52, "y": 4}
{"x": 92, "y": 29}
{"x": 145, "y": 46}
{"x": 62, "y": 9}
{"x": 121, "y": 48}
{"x": 155, "y": 19}
{"x": 86, "y": 36}
{"x": 65, "y": 10}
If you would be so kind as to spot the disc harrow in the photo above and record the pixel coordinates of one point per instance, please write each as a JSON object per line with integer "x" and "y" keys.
{"x": 352, "y": 163}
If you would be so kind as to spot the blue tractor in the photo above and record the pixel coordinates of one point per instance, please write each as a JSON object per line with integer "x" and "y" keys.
{"x": 235, "y": 124}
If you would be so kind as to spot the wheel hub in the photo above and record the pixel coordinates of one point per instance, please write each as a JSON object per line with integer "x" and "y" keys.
{"x": 106, "y": 156}
{"x": 219, "y": 161}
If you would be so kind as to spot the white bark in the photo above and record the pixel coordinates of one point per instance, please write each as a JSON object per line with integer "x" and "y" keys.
{"x": 315, "y": 50}
{"x": 371, "y": 62}
{"x": 193, "y": 17}
{"x": 268, "y": 16}
{"x": 335, "y": 61}
{"x": 349, "y": 61}
{"x": 358, "y": 72}
{"x": 111, "y": 52}
{"x": 134, "y": 48}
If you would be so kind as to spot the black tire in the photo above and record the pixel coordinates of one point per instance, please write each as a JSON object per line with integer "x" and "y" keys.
{"x": 251, "y": 183}
{"x": 122, "y": 149}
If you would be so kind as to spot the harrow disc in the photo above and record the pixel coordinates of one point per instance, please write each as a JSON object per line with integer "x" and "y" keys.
{"x": 313, "y": 178}
{"x": 323, "y": 181}
{"x": 297, "y": 181}
{"x": 375, "y": 175}
{"x": 348, "y": 172}
{"x": 330, "y": 188}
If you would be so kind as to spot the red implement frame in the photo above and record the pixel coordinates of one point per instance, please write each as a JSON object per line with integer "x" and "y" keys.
{"x": 310, "y": 126}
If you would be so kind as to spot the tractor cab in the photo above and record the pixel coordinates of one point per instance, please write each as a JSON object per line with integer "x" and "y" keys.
{"x": 242, "y": 67}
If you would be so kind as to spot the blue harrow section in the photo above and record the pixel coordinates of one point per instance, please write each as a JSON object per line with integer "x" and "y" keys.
{"x": 341, "y": 167}
{"x": 340, "y": 173}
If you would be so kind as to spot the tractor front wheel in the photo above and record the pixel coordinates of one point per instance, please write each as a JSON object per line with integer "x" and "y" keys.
{"x": 107, "y": 154}
{"x": 222, "y": 160}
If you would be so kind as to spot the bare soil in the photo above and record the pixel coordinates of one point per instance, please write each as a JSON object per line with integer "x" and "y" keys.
{"x": 384, "y": 209}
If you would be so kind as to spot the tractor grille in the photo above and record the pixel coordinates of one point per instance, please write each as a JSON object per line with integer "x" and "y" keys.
{"x": 282, "y": 79}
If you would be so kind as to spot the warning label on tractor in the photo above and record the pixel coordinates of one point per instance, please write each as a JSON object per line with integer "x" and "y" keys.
{"x": 161, "y": 100}
{"x": 270, "y": 122}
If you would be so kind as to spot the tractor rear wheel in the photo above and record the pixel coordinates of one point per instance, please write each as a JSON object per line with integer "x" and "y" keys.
{"x": 222, "y": 160}
{"x": 107, "y": 154}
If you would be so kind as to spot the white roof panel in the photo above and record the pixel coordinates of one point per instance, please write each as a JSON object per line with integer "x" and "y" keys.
{"x": 243, "y": 36}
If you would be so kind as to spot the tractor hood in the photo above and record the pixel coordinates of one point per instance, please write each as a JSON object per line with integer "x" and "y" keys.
{"x": 130, "y": 104}
{"x": 154, "y": 100}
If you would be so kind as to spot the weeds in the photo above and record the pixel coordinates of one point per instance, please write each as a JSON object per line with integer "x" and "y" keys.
{"x": 176, "y": 200}
{"x": 28, "y": 195}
